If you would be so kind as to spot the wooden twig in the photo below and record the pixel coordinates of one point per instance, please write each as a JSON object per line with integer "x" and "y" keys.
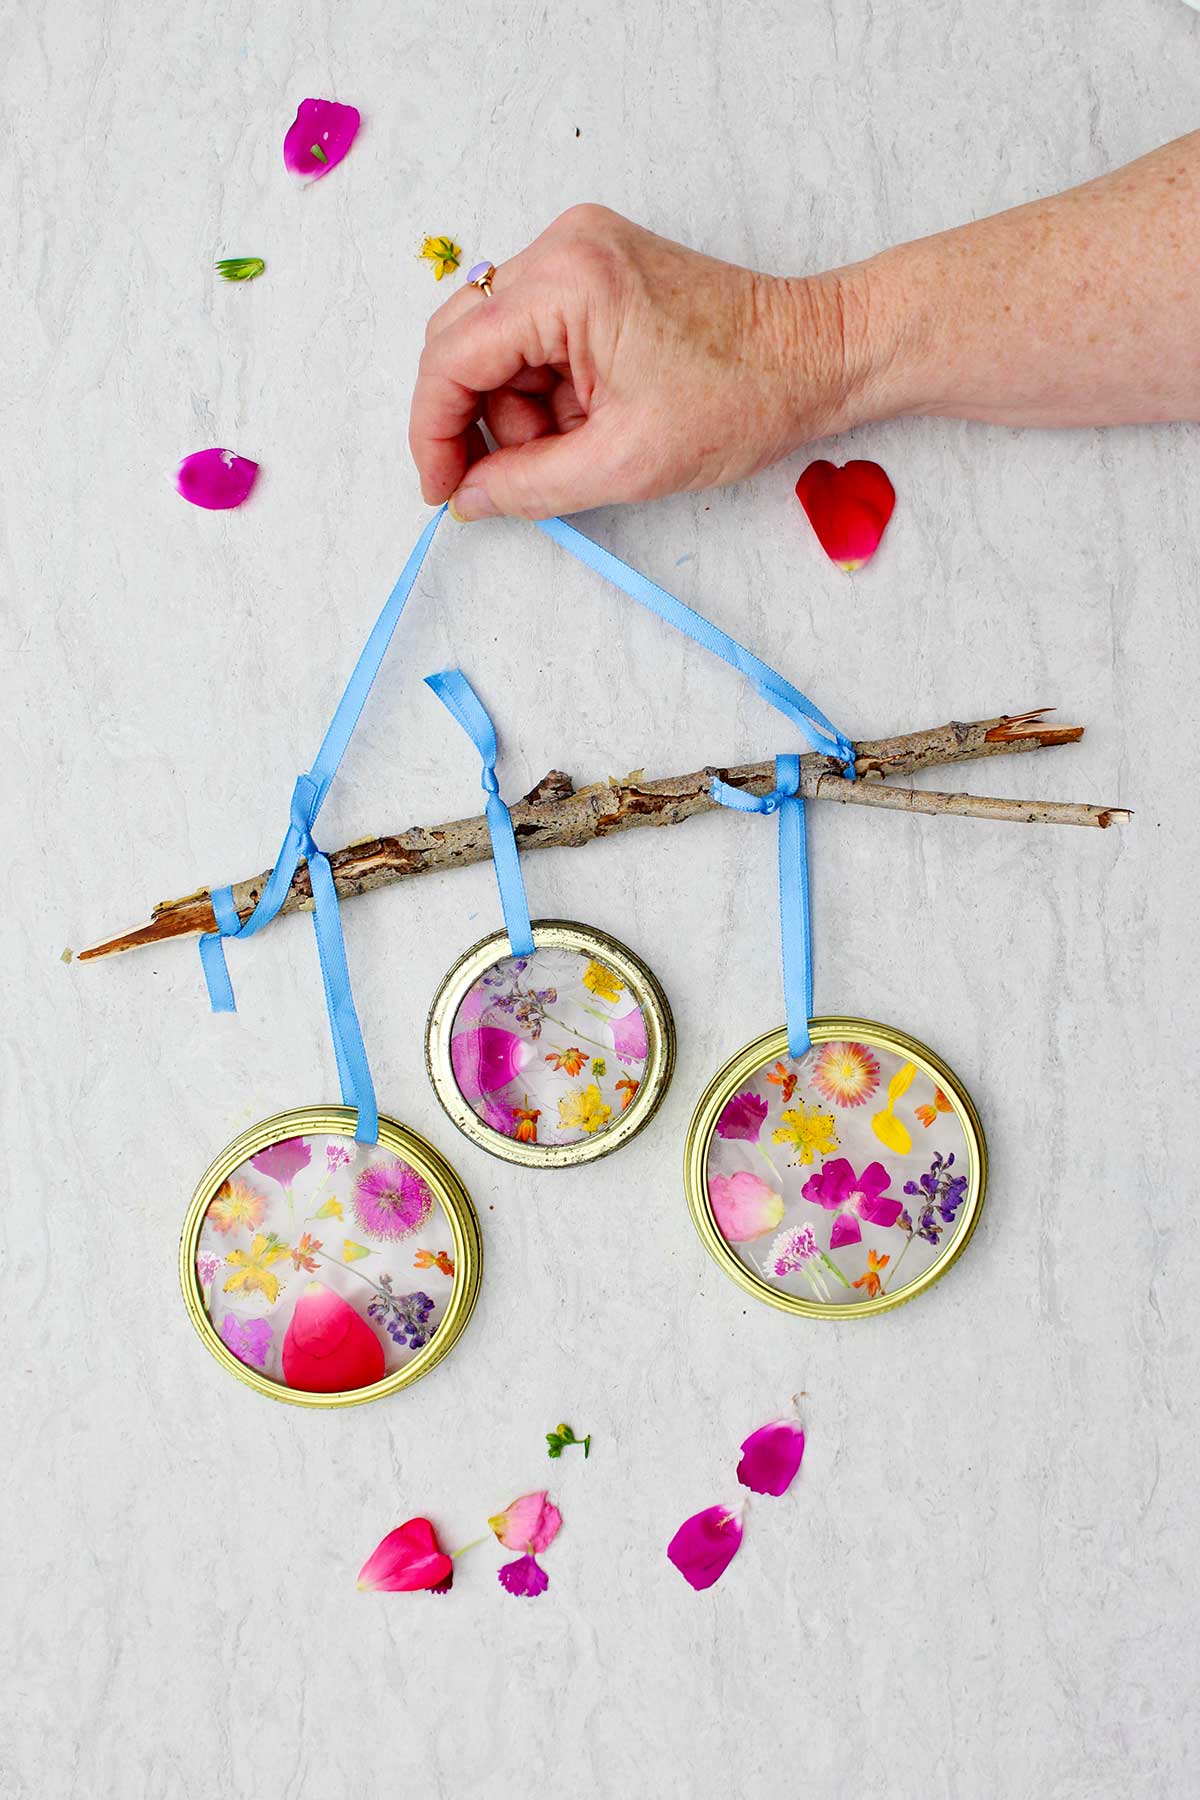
{"x": 555, "y": 813}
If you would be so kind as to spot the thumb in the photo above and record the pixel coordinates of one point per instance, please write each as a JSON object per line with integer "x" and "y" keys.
{"x": 558, "y": 474}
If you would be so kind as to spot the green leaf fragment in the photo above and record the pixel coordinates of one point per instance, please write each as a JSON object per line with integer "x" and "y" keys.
{"x": 318, "y": 153}
{"x": 240, "y": 268}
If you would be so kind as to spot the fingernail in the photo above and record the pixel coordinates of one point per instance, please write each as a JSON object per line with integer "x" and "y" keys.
{"x": 471, "y": 503}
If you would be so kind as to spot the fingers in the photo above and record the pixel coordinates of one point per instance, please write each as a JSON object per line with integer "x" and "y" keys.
{"x": 537, "y": 479}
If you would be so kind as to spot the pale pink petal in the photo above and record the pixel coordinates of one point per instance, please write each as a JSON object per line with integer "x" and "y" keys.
{"x": 744, "y": 1205}
{"x": 705, "y": 1545}
{"x": 525, "y": 1576}
{"x": 530, "y": 1523}
{"x": 332, "y": 128}
{"x": 629, "y": 1036}
{"x": 216, "y": 479}
{"x": 771, "y": 1456}
{"x": 408, "y": 1559}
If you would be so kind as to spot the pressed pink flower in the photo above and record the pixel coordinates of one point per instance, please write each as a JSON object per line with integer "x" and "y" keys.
{"x": 319, "y": 137}
{"x": 249, "y": 1339}
{"x": 526, "y": 1576}
{"x": 328, "y": 1348}
{"x": 744, "y": 1205}
{"x": 771, "y": 1456}
{"x": 530, "y": 1523}
{"x": 852, "y": 1197}
{"x": 792, "y": 1251}
{"x": 408, "y": 1559}
{"x": 743, "y": 1117}
{"x": 500, "y": 1118}
{"x": 705, "y": 1545}
{"x": 216, "y": 479}
{"x": 336, "y": 1155}
{"x": 628, "y": 1034}
{"x": 391, "y": 1200}
{"x": 208, "y": 1267}
{"x": 283, "y": 1162}
{"x": 486, "y": 1058}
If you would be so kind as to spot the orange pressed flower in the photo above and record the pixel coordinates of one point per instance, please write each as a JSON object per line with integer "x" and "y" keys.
{"x": 572, "y": 1059}
{"x": 875, "y": 1267}
{"x": 927, "y": 1114}
{"x": 627, "y": 1087}
{"x": 526, "y": 1132}
{"x": 304, "y": 1254}
{"x": 785, "y": 1079}
{"x": 434, "y": 1259}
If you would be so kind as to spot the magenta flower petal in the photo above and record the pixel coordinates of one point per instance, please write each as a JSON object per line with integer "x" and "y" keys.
{"x": 486, "y": 1058}
{"x": 628, "y": 1034}
{"x": 873, "y": 1180}
{"x": 408, "y": 1559}
{"x": 830, "y": 1185}
{"x": 705, "y": 1545}
{"x": 216, "y": 479}
{"x": 878, "y": 1211}
{"x": 328, "y": 126}
{"x": 525, "y": 1576}
{"x": 530, "y": 1523}
{"x": 771, "y": 1457}
{"x": 283, "y": 1161}
{"x": 743, "y": 1117}
{"x": 846, "y": 1230}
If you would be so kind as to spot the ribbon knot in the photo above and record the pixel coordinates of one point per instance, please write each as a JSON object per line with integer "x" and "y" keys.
{"x": 306, "y": 804}
{"x": 488, "y": 781}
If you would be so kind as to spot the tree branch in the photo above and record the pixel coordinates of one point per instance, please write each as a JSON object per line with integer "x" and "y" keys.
{"x": 556, "y": 813}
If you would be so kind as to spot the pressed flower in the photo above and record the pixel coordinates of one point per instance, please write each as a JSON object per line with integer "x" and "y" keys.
{"x": 251, "y": 1269}
{"x": 236, "y": 1203}
{"x": 332, "y": 1209}
{"x": 941, "y": 1194}
{"x": 525, "y": 1577}
{"x": 627, "y": 1087}
{"x": 784, "y": 1078}
{"x": 443, "y": 253}
{"x": 487, "y": 1058}
{"x": 848, "y": 509}
{"x": 336, "y": 1155}
{"x": 743, "y": 1117}
{"x": 771, "y": 1456}
{"x": 249, "y": 1339}
{"x": 796, "y": 1252}
{"x": 500, "y": 1118}
{"x": 876, "y": 1264}
{"x": 927, "y": 1114}
{"x": 352, "y": 1252}
{"x": 390, "y": 1199}
{"x": 283, "y": 1161}
{"x": 892, "y": 1132}
{"x": 328, "y": 1348}
{"x": 405, "y": 1317}
{"x": 319, "y": 137}
{"x": 530, "y": 1523}
{"x": 215, "y": 479}
{"x": 434, "y": 1259}
{"x": 602, "y": 982}
{"x": 562, "y": 1437}
{"x": 847, "y": 1074}
{"x": 526, "y": 1119}
{"x": 304, "y": 1253}
{"x": 240, "y": 268}
{"x": 599, "y": 1066}
{"x": 744, "y": 1205}
{"x": 853, "y": 1198}
{"x": 407, "y": 1560}
{"x": 571, "y": 1060}
{"x": 629, "y": 1038}
{"x": 705, "y": 1545}
{"x": 584, "y": 1110}
{"x": 808, "y": 1130}
{"x": 208, "y": 1267}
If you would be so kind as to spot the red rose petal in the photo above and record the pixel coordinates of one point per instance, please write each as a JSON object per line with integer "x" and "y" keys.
{"x": 848, "y": 508}
{"x": 328, "y": 1348}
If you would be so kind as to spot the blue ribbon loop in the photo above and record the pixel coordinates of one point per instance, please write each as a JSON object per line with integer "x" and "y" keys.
{"x": 308, "y": 797}
{"x": 795, "y": 920}
{"x": 463, "y": 703}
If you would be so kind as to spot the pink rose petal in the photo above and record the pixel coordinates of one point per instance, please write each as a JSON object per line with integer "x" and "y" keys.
{"x": 771, "y": 1456}
{"x": 408, "y": 1559}
{"x": 332, "y": 128}
{"x": 530, "y": 1523}
{"x": 744, "y": 1205}
{"x": 216, "y": 479}
{"x": 485, "y": 1058}
{"x": 525, "y": 1576}
{"x": 705, "y": 1545}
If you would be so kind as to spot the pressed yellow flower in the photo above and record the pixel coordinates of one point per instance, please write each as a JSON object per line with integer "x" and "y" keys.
{"x": 332, "y": 1209}
{"x": 352, "y": 1252}
{"x": 236, "y": 1203}
{"x": 807, "y": 1129}
{"x": 584, "y": 1110}
{"x": 252, "y": 1268}
{"x": 443, "y": 253}
{"x": 602, "y": 982}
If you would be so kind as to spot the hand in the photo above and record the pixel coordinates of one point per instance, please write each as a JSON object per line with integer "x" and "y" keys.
{"x": 611, "y": 365}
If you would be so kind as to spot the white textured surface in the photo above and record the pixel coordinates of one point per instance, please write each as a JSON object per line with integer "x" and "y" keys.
{"x": 984, "y": 1584}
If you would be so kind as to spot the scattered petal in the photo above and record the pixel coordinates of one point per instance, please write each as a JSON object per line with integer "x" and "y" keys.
{"x": 771, "y": 1456}
{"x": 525, "y": 1576}
{"x": 215, "y": 479}
{"x": 328, "y": 1348}
{"x": 240, "y": 268}
{"x": 848, "y": 508}
{"x": 530, "y": 1523}
{"x": 319, "y": 136}
{"x": 705, "y": 1545}
{"x": 408, "y": 1559}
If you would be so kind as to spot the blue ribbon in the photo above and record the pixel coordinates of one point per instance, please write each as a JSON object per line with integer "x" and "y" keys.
{"x": 795, "y": 921}
{"x": 463, "y": 703}
{"x": 308, "y": 797}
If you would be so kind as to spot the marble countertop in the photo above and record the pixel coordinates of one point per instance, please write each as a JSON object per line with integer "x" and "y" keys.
{"x": 984, "y": 1583}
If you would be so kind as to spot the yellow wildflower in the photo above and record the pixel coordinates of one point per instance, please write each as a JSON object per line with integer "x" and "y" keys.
{"x": 584, "y": 1110}
{"x": 602, "y": 982}
{"x": 352, "y": 1252}
{"x": 332, "y": 1209}
{"x": 807, "y": 1129}
{"x": 443, "y": 253}
{"x": 251, "y": 1268}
